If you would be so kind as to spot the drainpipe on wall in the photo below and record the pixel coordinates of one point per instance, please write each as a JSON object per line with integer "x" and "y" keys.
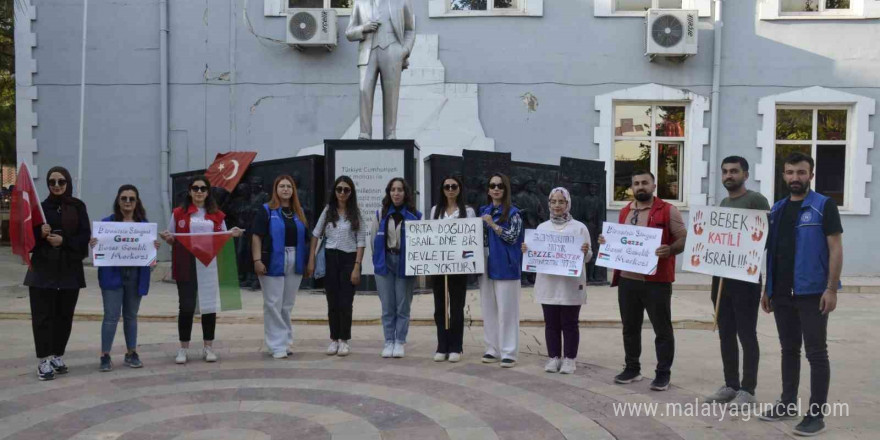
{"x": 716, "y": 108}
{"x": 163, "y": 108}
{"x": 82, "y": 101}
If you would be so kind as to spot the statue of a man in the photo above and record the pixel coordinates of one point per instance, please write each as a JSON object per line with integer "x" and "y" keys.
{"x": 386, "y": 30}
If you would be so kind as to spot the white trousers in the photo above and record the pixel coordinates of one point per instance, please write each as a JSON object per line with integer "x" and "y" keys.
{"x": 279, "y": 294}
{"x": 500, "y": 302}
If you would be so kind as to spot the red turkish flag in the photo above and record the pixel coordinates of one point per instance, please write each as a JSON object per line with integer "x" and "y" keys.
{"x": 24, "y": 214}
{"x": 227, "y": 169}
{"x": 204, "y": 246}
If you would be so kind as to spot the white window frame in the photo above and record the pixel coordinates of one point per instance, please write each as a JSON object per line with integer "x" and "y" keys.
{"x": 527, "y": 8}
{"x": 278, "y": 8}
{"x": 606, "y": 8}
{"x": 858, "y": 10}
{"x": 655, "y": 141}
{"x": 814, "y": 143}
{"x": 860, "y": 139}
{"x": 693, "y": 170}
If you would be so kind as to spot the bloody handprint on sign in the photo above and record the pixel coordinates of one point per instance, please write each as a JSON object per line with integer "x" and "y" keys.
{"x": 698, "y": 223}
{"x": 696, "y": 250}
{"x": 758, "y": 228}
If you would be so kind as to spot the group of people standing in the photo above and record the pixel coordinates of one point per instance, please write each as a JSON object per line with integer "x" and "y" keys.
{"x": 803, "y": 272}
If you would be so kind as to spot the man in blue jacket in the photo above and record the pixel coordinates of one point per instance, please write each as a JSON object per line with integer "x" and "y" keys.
{"x": 804, "y": 259}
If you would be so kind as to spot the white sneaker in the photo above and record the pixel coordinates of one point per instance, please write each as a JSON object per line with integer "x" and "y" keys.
{"x": 344, "y": 349}
{"x": 181, "y": 356}
{"x": 388, "y": 350}
{"x": 210, "y": 356}
{"x": 552, "y": 365}
{"x": 333, "y": 348}
{"x": 454, "y": 357}
{"x": 399, "y": 351}
{"x": 276, "y": 355}
{"x": 439, "y": 357}
{"x": 568, "y": 366}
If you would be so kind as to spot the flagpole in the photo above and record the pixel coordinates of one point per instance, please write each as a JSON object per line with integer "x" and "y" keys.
{"x": 82, "y": 101}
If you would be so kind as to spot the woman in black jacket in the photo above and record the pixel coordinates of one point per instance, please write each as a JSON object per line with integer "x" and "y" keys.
{"x": 56, "y": 272}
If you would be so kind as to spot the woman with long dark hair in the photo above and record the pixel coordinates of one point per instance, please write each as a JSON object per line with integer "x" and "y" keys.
{"x": 345, "y": 238}
{"x": 56, "y": 272}
{"x": 389, "y": 244}
{"x": 560, "y": 296}
{"x": 197, "y": 214}
{"x": 500, "y": 285}
{"x": 123, "y": 287}
{"x": 449, "y": 340}
{"x": 280, "y": 253}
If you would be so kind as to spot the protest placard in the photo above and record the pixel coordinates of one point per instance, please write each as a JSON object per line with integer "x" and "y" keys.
{"x": 630, "y": 248}
{"x": 726, "y": 242}
{"x": 124, "y": 244}
{"x": 444, "y": 247}
{"x": 554, "y": 253}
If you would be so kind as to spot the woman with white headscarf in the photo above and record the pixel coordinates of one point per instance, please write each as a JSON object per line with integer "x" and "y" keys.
{"x": 560, "y": 296}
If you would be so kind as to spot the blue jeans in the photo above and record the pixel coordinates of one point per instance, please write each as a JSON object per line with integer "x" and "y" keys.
{"x": 128, "y": 301}
{"x": 395, "y": 293}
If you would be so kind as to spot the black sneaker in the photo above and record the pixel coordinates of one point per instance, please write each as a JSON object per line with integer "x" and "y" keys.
{"x": 661, "y": 382}
{"x": 809, "y": 426}
{"x": 106, "y": 364}
{"x": 489, "y": 359}
{"x": 507, "y": 363}
{"x": 779, "y": 411}
{"x": 45, "y": 371}
{"x": 58, "y": 365}
{"x": 133, "y": 360}
{"x": 628, "y": 376}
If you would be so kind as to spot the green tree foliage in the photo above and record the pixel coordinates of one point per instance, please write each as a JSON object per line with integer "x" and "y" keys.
{"x": 7, "y": 81}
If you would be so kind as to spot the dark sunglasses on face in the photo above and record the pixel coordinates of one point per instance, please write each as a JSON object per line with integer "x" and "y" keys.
{"x": 126, "y": 199}
{"x": 343, "y": 190}
{"x": 452, "y": 187}
{"x": 57, "y": 182}
{"x": 496, "y": 186}
{"x": 199, "y": 188}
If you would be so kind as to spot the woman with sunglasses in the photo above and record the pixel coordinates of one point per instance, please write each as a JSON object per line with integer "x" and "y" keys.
{"x": 345, "y": 239}
{"x": 449, "y": 341}
{"x": 198, "y": 214}
{"x": 560, "y": 296}
{"x": 389, "y": 244}
{"x": 123, "y": 287}
{"x": 280, "y": 252}
{"x": 56, "y": 271}
{"x": 500, "y": 285}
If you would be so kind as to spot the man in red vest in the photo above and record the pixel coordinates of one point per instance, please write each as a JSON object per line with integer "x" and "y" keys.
{"x": 637, "y": 293}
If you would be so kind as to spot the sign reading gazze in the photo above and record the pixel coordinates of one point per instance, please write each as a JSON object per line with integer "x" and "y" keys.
{"x": 124, "y": 244}
{"x": 553, "y": 253}
{"x": 444, "y": 247}
{"x": 630, "y": 248}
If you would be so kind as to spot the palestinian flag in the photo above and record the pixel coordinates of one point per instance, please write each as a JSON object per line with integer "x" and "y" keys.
{"x": 216, "y": 270}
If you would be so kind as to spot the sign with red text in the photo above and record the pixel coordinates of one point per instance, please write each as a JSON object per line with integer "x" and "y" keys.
{"x": 629, "y": 248}
{"x": 553, "y": 253}
{"x": 726, "y": 242}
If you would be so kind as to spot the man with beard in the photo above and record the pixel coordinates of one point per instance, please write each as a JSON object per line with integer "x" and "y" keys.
{"x": 804, "y": 260}
{"x": 738, "y": 311}
{"x": 637, "y": 293}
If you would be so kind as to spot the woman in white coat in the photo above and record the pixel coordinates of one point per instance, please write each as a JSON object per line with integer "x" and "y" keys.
{"x": 560, "y": 296}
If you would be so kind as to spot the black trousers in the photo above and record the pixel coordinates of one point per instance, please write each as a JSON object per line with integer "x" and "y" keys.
{"x": 187, "y": 295}
{"x": 449, "y": 340}
{"x": 634, "y": 298}
{"x": 738, "y": 318}
{"x": 561, "y": 325}
{"x": 339, "y": 292}
{"x": 799, "y": 322}
{"x": 52, "y": 319}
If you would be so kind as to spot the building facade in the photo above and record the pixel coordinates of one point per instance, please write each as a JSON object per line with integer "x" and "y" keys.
{"x": 537, "y": 78}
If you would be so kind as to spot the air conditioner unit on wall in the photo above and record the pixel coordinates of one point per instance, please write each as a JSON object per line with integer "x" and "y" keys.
{"x": 311, "y": 28}
{"x": 672, "y": 32}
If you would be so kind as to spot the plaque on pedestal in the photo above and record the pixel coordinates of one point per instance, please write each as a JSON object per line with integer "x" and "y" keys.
{"x": 371, "y": 164}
